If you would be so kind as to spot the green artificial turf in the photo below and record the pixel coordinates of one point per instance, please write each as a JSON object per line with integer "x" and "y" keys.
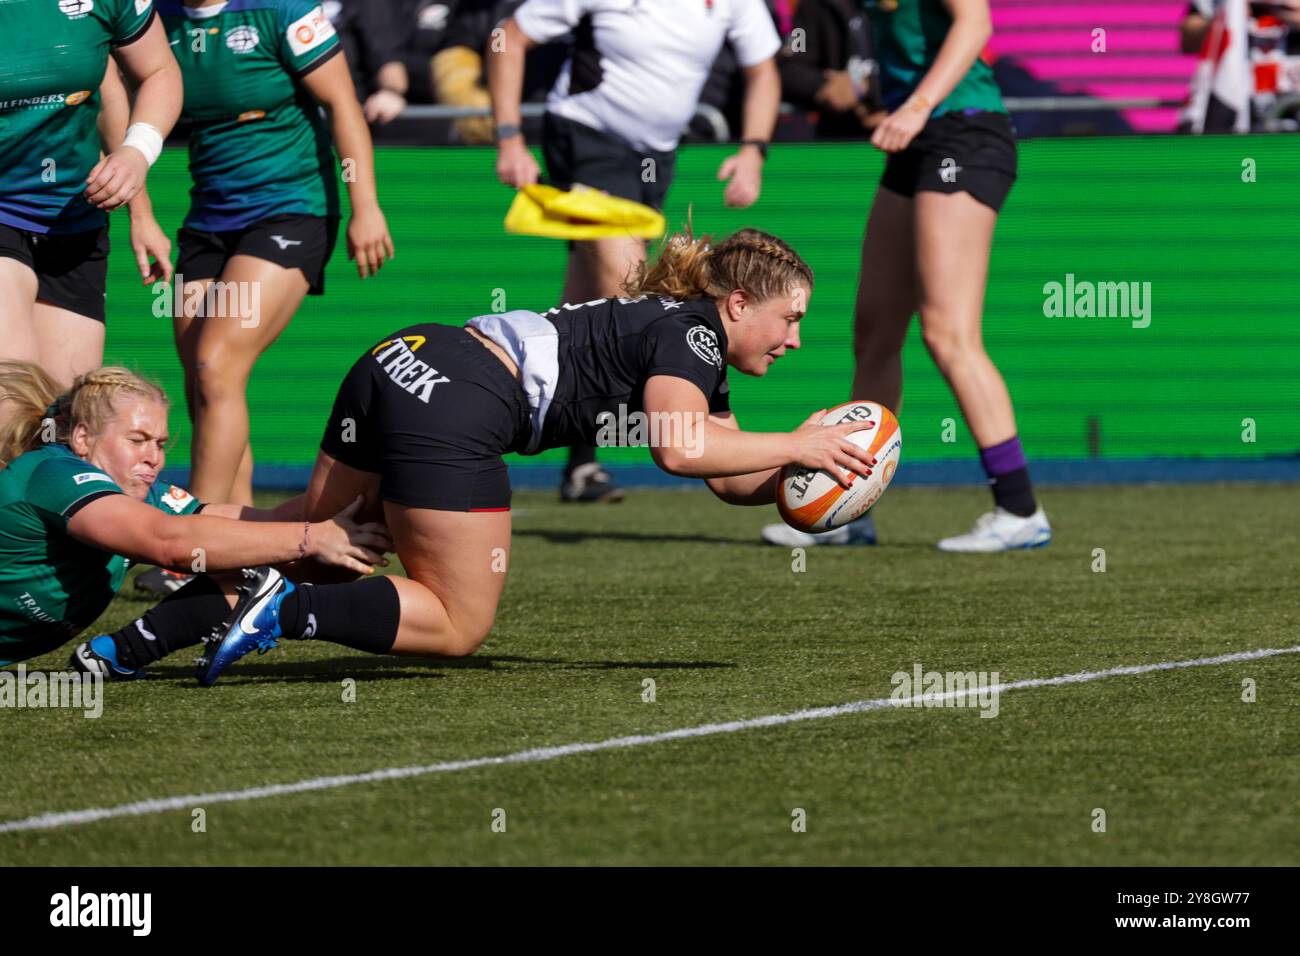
{"x": 672, "y": 586}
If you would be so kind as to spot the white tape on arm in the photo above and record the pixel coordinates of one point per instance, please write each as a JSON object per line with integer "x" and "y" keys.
{"x": 147, "y": 139}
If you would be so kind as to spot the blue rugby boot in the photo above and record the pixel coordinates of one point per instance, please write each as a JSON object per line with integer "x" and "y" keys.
{"x": 99, "y": 656}
{"x": 253, "y": 624}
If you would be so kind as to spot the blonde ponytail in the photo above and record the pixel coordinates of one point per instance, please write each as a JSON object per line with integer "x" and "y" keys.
{"x": 687, "y": 268}
{"x": 33, "y": 412}
{"x": 26, "y": 393}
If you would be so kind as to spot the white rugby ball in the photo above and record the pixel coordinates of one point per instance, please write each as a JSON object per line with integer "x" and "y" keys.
{"x": 811, "y": 500}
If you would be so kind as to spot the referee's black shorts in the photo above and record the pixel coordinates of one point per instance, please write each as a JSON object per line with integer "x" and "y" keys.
{"x": 958, "y": 153}
{"x": 431, "y": 411}
{"x": 575, "y": 153}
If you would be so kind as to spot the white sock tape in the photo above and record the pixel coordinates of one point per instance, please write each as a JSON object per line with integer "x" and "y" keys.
{"x": 146, "y": 139}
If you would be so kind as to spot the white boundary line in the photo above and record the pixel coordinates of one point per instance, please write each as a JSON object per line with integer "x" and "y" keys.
{"x": 51, "y": 821}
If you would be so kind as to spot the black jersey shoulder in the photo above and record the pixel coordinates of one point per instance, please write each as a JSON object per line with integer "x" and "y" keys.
{"x": 623, "y": 316}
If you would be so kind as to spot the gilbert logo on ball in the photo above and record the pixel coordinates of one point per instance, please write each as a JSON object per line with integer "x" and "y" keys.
{"x": 810, "y": 499}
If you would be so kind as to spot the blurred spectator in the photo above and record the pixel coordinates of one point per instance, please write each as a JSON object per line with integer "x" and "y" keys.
{"x": 370, "y": 35}
{"x": 423, "y": 32}
{"x": 826, "y": 66}
{"x": 458, "y": 74}
{"x": 1196, "y": 22}
{"x": 1241, "y": 85}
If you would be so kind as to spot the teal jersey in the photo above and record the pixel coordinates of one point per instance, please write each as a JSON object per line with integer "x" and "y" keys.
{"x": 258, "y": 144}
{"x": 907, "y": 35}
{"x": 52, "y": 585}
{"x": 53, "y": 57}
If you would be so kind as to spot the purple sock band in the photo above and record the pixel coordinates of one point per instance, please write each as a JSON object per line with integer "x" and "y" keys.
{"x": 1003, "y": 459}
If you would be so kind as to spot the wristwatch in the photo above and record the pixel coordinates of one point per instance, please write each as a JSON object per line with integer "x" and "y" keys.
{"x": 760, "y": 144}
{"x": 506, "y": 130}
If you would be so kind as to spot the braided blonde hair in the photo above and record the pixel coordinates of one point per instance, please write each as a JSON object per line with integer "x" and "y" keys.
{"x": 752, "y": 260}
{"x": 34, "y": 413}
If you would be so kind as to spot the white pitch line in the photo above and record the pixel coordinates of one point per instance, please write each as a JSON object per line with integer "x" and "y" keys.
{"x": 50, "y": 821}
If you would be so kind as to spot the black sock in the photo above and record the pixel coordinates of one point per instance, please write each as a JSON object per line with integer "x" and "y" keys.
{"x": 361, "y": 614}
{"x": 179, "y": 621}
{"x": 579, "y": 455}
{"x": 1014, "y": 492}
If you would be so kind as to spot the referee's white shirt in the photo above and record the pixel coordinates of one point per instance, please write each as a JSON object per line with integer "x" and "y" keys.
{"x": 654, "y": 58}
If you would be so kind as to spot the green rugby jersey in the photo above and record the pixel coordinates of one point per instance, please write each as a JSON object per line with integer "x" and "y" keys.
{"x": 53, "y": 56}
{"x": 51, "y": 585}
{"x": 907, "y": 35}
{"x": 258, "y": 144}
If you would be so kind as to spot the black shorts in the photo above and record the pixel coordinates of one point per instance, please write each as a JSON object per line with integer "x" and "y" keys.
{"x": 431, "y": 411}
{"x": 71, "y": 270}
{"x": 575, "y": 153}
{"x": 958, "y": 152}
{"x": 294, "y": 242}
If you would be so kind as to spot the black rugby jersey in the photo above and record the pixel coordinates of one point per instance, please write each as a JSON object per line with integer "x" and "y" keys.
{"x": 608, "y": 349}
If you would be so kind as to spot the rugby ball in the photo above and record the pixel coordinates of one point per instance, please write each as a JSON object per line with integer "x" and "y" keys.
{"x": 811, "y": 500}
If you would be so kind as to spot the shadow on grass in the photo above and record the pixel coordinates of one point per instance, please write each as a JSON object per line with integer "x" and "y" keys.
{"x": 334, "y": 669}
{"x": 555, "y": 536}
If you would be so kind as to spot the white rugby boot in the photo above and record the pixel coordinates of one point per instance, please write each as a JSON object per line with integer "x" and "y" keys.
{"x": 862, "y": 531}
{"x": 1000, "y": 530}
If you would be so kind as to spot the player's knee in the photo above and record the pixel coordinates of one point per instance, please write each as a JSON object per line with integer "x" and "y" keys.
{"x": 873, "y": 346}
{"x": 949, "y": 346}
{"x": 467, "y": 636}
{"x": 464, "y": 644}
{"x": 216, "y": 376}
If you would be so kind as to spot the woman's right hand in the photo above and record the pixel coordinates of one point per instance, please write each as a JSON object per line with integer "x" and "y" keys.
{"x": 343, "y": 542}
{"x": 828, "y": 448}
{"x": 515, "y": 163}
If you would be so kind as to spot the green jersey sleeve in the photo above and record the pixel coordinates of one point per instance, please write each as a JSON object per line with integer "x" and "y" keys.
{"x": 129, "y": 20}
{"x": 63, "y": 486}
{"x": 307, "y": 38}
{"x": 172, "y": 499}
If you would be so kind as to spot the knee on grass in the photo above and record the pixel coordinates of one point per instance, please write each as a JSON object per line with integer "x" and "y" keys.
{"x": 443, "y": 639}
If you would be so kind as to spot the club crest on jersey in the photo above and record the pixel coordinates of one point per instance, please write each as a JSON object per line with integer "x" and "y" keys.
{"x": 76, "y": 9}
{"x": 397, "y": 356}
{"x": 242, "y": 39}
{"x": 704, "y": 343}
{"x": 177, "y": 499}
{"x": 308, "y": 32}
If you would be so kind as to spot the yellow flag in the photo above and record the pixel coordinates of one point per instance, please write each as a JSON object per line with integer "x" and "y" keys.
{"x": 580, "y": 213}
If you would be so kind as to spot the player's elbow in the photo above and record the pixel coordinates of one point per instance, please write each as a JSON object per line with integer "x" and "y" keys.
{"x": 722, "y": 490}
{"x": 674, "y": 460}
